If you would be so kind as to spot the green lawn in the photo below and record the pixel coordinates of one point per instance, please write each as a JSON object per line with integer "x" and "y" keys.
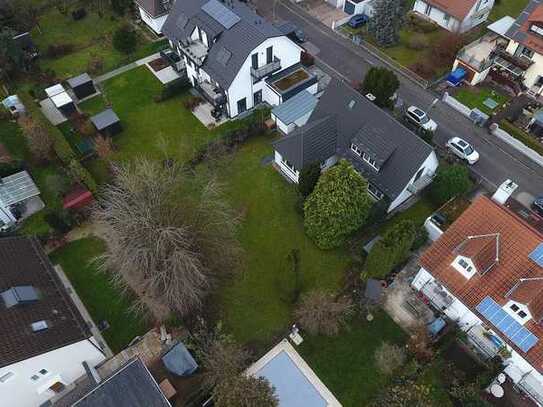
{"x": 528, "y": 140}
{"x": 91, "y": 39}
{"x": 474, "y": 97}
{"x": 345, "y": 363}
{"x": 253, "y": 305}
{"x": 507, "y": 8}
{"x": 102, "y": 299}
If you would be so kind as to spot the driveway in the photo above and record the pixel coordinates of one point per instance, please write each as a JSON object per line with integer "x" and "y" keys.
{"x": 344, "y": 60}
{"x": 324, "y": 12}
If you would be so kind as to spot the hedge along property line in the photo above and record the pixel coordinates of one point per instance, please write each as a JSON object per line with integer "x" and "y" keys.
{"x": 62, "y": 148}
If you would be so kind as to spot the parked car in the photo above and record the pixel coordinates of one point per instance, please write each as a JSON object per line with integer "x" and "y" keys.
{"x": 463, "y": 149}
{"x": 358, "y": 20}
{"x": 420, "y": 118}
{"x": 537, "y": 205}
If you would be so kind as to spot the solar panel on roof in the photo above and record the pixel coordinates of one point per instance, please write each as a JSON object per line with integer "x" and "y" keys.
{"x": 220, "y": 13}
{"x": 223, "y": 56}
{"x": 537, "y": 255}
{"x": 506, "y": 324}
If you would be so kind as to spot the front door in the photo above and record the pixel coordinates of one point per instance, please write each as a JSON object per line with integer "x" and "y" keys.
{"x": 257, "y": 98}
{"x": 242, "y": 105}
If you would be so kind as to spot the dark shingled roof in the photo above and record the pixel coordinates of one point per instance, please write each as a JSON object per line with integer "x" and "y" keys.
{"x": 79, "y": 80}
{"x": 314, "y": 142}
{"x": 23, "y": 263}
{"x": 399, "y": 150}
{"x": 155, "y": 8}
{"x": 130, "y": 386}
{"x": 239, "y": 40}
{"x": 104, "y": 119}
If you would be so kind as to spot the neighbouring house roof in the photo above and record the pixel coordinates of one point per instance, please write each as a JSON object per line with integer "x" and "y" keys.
{"x": 520, "y": 30}
{"x": 104, "y": 119}
{"x": 79, "y": 80}
{"x": 24, "y": 263}
{"x": 130, "y": 386}
{"x": 528, "y": 292}
{"x": 295, "y": 108}
{"x": 314, "y": 142}
{"x": 456, "y": 8}
{"x": 231, "y": 46}
{"x": 400, "y": 151}
{"x": 502, "y": 25}
{"x": 155, "y": 8}
{"x": 483, "y": 250}
{"x": 517, "y": 241}
{"x": 17, "y": 188}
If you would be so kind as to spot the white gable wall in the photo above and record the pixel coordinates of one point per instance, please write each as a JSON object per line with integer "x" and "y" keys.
{"x": 430, "y": 165}
{"x": 154, "y": 23}
{"x": 63, "y": 365}
{"x": 478, "y": 14}
{"x": 242, "y": 87}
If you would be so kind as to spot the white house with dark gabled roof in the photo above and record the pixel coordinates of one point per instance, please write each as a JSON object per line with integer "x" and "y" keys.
{"x": 397, "y": 163}
{"x": 235, "y": 58}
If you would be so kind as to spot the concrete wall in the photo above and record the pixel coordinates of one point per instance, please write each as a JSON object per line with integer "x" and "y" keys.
{"x": 154, "y": 23}
{"x": 63, "y": 365}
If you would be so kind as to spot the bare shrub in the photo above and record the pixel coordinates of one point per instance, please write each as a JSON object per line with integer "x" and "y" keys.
{"x": 38, "y": 139}
{"x": 320, "y": 313}
{"x": 103, "y": 146}
{"x": 417, "y": 42}
{"x": 388, "y": 358}
{"x": 420, "y": 344}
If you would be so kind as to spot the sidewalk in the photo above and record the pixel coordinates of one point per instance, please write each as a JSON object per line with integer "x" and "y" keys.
{"x": 126, "y": 68}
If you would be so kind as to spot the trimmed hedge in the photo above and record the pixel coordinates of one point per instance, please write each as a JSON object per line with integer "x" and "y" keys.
{"x": 522, "y": 136}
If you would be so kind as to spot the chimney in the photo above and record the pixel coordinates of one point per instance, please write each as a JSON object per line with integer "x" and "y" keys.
{"x": 92, "y": 373}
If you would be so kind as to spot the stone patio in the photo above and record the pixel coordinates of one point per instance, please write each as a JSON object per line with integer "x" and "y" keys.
{"x": 203, "y": 113}
{"x": 324, "y": 12}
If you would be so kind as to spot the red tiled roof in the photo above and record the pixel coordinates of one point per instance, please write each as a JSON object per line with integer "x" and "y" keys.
{"x": 482, "y": 250}
{"x": 77, "y": 198}
{"x": 528, "y": 292}
{"x": 531, "y": 39}
{"x": 517, "y": 241}
{"x": 456, "y": 8}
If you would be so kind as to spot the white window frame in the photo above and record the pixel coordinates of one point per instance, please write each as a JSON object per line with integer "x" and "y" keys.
{"x": 6, "y": 377}
{"x": 536, "y": 29}
{"x": 366, "y": 157}
{"x": 374, "y": 192}
{"x": 356, "y": 150}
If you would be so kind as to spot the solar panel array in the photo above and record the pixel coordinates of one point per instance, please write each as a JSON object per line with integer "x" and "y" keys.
{"x": 537, "y": 255}
{"x": 220, "y": 13}
{"x": 506, "y": 324}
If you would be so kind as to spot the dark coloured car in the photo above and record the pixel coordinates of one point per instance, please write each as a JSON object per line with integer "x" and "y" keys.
{"x": 358, "y": 20}
{"x": 537, "y": 205}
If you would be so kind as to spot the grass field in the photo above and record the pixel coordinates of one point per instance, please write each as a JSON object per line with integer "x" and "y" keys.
{"x": 254, "y": 304}
{"x": 507, "y": 8}
{"x": 346, "y": 364}
{"x": 102, "y": 299}
{"x": 474, "y": 97}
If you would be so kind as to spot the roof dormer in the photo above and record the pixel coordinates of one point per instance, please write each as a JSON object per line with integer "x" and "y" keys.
{"x": 526, "y": 294}
{"x": 464, "y": 266}
{"x": 477, "y": 254}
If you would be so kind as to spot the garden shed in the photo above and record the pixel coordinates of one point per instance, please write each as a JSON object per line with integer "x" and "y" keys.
{"x": 60, "y": 98}
{"x": 107, "y": 122}
{"x": 82, "y": 85}
{"x": 77, "y": 198}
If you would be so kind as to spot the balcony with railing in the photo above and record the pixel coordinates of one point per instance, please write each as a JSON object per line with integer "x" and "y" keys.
{"x": 195, "y": 49}
{"x": 265, "y": 70}
{"x": 517, "y": 65}
{"x": 479, "y": 54}
{"x": 439, "y": 298}
{"x": 211, "y": 93}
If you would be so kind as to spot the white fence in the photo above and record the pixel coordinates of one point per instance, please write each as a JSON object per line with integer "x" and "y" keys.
{"x": 475, "y": 115}
{"x": 516, "y": 144}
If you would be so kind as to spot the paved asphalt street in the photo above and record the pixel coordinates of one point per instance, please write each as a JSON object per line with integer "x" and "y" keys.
{"x": 339, "y": 57}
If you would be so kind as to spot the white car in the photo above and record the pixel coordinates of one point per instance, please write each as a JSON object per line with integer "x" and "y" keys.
{"x": 420, "y": 118}
{"x": 463, "y": 149}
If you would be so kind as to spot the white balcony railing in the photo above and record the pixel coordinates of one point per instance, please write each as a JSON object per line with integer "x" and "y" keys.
{"x": 259, "y": 73}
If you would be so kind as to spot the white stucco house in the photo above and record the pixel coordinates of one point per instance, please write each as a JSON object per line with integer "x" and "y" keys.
{"x": 512, "y": 52}
{"x": 456, "y": 16}
{"x": 485, "y": 273}
{"x": 345, "y": 125}
{"x": 235, "y": 58}
{"x": 44, "y": 339}
{"x": 154, "y": 13}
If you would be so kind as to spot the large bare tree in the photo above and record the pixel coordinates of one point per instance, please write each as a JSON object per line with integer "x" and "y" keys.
{"x": 170, "y": 235}
{"x": 389, "y": 357}
{"x": 38, "y": 139}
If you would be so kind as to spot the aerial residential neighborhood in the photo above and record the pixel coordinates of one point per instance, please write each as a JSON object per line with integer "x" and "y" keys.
{"x": 290, "y": 203}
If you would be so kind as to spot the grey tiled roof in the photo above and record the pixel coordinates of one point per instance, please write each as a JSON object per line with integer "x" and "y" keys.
{"x": 130, "y": 386}
{"x": 239, "y": 40}
{"x": 400, "y": 152}
{"x": 296, "y": 107}
{"x": 24, "y": 263}
{"x": 104, "y": 119}
{"x": 79, "y": 80}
